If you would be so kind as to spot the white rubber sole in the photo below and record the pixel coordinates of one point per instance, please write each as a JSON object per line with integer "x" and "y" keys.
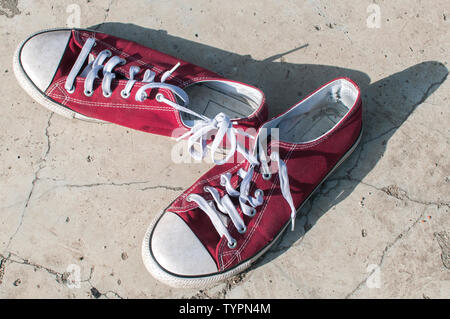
{"x": 205, "y": 281}
{"x": 37, "y": 94}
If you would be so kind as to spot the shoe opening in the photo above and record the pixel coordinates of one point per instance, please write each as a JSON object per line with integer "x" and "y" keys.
{"x": 318, "y": 114}
{"x": 210, "y": 98}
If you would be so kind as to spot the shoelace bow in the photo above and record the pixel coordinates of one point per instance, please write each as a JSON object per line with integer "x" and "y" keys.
{"x": 247, "y": 203}
{"x": 221, "y": 124}
{"x": 202, "y": 128}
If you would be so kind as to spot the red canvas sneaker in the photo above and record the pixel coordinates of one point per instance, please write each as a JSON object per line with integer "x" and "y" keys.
{"x": 235, "y": 212}
{"x": 95, "y": 76}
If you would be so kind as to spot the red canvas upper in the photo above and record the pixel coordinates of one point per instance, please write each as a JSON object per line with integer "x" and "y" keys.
{"x": 307, "y": 164}
{"x": 149, "y": 116}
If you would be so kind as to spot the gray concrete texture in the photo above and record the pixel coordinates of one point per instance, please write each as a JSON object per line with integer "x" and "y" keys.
{"x": 77, "y": 197}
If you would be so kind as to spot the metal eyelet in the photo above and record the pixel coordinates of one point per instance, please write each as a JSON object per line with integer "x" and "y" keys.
{"x": 266, "y": 176}
{"x": 159, "y": 97}
{"x": 108, "y": 52}
{"x": 242, "y": 230}
{"x": 142, "y": 97}
{"x": 233, "y": 244}
{"x": 123, "y": 61}
{"x": 72, "y": 89}
{"x": 253, "y": 213}
{"x": 88, "y": 93}
{"x": 107, "y": 94}
{"x": 124, "y": 94}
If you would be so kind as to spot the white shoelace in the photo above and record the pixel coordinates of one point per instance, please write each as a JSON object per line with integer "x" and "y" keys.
{"x": 247, "y": 203}
{"x": 200, "y": 131}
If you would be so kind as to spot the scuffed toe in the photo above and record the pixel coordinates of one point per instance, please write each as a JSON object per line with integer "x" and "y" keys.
{"x": 41, "y": 54}
{"x": 178, "y": 250}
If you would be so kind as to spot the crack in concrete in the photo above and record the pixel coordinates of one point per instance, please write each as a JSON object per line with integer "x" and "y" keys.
{"x": 94, "y": 291}
{"x": 111, "y": 292}
{"x": 170, "y": 188}
{"x": 106, "y": 15}
{"x": 401, "y": 194}
{"x": 49, "y": 145}
{"x": 60, "y": 277}
{"x": 118, "y": 184}
{"x": 33, "y": 182}
{"x": 230, "y": 284}
{"x": 422, "y": 99}
{"x": 3, "y": 261}
{"x": 428, "y": 90}
{"x": 443, "y": 240}
{"x": 97, "y": 294}
{"x": 385, "y": 252}
{"x": 91, "y": 273}
{"x": 22, "y": 215}
{"x": 166, "y": 187}
{"x": 394, "y": 191}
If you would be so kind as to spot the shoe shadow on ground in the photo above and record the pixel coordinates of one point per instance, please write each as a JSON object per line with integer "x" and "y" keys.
{"x": 387, "y": 104}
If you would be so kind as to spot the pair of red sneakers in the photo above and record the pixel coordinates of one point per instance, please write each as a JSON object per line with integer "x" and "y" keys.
{"x": 235, "y": 212}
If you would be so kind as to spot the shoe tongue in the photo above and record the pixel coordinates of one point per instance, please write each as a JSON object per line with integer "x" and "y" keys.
{"x": 225, "y": 219}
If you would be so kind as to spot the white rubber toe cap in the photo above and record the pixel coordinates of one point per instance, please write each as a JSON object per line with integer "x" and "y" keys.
{"x": 178, "y": 250}
{"x": 41, "y": 54}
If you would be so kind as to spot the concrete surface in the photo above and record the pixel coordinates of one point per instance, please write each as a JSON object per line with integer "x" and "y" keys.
{"x": 76, "y": 197}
